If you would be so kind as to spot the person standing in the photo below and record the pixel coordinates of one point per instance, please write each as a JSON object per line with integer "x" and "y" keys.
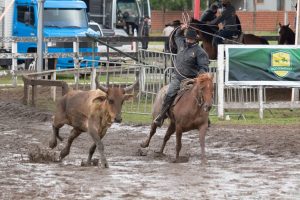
{"x": 145, "y": 31}
{"x": 191, "y": 60}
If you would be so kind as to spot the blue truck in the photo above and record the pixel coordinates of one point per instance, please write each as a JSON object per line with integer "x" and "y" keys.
{"x": 62, "y": 18}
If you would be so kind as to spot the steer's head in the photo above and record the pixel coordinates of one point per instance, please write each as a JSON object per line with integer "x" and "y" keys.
{"x": 115, "y": 99}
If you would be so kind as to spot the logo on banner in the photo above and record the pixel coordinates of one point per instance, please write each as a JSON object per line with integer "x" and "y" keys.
{"x": 281, "y": 63}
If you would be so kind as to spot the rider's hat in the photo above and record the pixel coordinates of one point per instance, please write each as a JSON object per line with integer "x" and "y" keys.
{"x": 191, "y": 34}
{"x": 176, "y": 23}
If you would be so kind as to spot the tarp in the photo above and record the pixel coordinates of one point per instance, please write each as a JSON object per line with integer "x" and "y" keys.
{"x": 263, "y": 66}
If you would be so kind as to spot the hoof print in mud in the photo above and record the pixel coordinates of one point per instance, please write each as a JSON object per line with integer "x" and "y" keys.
{"x": 142, "y": 152}
{"x": 181, "y": 159}
{"x": 94, "y": 162}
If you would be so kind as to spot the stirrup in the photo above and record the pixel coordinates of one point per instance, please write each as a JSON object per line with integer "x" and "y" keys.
{"x": 159, "y": 120}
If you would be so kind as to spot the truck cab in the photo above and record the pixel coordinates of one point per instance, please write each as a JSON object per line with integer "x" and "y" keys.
{"x": 66, "y": 18}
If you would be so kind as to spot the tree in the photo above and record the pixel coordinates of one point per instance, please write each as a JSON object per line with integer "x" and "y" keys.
{"x": 172, "y": 4}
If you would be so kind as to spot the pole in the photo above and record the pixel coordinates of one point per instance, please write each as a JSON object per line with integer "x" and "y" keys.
{"x": 40, "y": 36}
{"x": 197, "y": 9}
{"x": 297, "y": 41}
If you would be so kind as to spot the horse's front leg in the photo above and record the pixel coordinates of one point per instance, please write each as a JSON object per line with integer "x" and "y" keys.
{"x": 152, "y": 132}
{"x": 202, "y": 133}
{"x": 178, "y": 143}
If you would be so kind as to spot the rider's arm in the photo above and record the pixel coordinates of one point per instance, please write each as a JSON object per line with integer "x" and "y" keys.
{"x": 202, "y": 61}
{"x": 224, "y": 15}
{"x": 179, "y": 38}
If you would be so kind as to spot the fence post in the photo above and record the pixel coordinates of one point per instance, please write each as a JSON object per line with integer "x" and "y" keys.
{"x": 14, "y": 67}
{"x": 53, "y": 89}
{"x": 76, "y": 61}
{"x": 261, "y": 102}
{"x": 220, "y": 81}
{"x": 93, "y": 72}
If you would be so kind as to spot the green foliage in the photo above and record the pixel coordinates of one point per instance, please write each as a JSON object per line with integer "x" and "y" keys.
{"x": 171, "y": 4}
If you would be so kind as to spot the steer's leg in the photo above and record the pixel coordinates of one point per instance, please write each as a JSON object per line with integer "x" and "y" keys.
{"x": 152, "y": 132}
{"x": 170, "y": 131}
{"x": 91, "y": 152}
{"x": 55, "y": 135}
{"x": 97, "y": 135}
{"x": 74, "y": 134}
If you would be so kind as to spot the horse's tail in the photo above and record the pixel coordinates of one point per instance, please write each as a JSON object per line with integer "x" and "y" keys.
{"x": 264, "y": 41}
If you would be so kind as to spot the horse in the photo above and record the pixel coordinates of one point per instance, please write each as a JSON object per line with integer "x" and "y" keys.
{"x": 286, "y": 34}
{"x": 206, "y": 34}
{"x": 190, "y": 111}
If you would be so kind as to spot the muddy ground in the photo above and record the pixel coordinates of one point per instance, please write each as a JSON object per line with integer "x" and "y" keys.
{"x": 244, "y": 162}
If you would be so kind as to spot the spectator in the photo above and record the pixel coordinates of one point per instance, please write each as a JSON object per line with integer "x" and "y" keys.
{"x": 145, "y": 31}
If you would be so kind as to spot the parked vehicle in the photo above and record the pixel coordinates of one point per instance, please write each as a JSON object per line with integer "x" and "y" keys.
{"x": 118, "y": 14}
{"x": 62, "y": 18}
{"x": 122, "y": 46}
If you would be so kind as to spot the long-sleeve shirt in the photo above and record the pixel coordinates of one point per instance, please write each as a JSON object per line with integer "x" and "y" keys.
{"x": 190, "y": 60}
{"x": 227, "y": 18}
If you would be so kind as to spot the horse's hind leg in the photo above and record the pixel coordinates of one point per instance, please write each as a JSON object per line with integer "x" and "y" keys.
{"x": 152, "y": 132}
{"x": 74, "y": 134}
{"x": 170, "y": 131}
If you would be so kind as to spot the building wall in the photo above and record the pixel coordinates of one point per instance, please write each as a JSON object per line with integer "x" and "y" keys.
{"x": 268, "y": 5}
{"x": 265, "y": 20}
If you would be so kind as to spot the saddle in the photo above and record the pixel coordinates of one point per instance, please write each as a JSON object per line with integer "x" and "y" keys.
{"x": 185, "y": 85}
{"x": 238, "y": 38}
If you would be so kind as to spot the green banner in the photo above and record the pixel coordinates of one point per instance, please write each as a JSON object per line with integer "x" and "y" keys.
{"x": 264, "y": 64}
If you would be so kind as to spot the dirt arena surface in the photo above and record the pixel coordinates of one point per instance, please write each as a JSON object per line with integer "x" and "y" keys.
{"x": 244, "y": 162}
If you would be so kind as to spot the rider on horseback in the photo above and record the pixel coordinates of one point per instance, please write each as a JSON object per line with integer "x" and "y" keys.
{"x": 228, "y": 20}
{"x": 191, "y": 60}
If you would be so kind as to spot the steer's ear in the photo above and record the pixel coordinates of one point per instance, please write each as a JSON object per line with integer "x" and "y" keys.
{"x": 99, "y": 99}
{"x": 128, "y": 97}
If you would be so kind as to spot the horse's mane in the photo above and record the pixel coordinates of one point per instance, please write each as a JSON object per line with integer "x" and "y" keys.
{"x": 206, "y": 30}
{"x": 204, "y": 77}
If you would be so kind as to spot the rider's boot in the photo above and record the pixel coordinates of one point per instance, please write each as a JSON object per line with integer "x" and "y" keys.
{"x": 159, "y": 120}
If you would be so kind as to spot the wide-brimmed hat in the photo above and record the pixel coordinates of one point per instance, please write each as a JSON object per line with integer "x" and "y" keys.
{"x": 191, "y": 34}
{"x": 176, "y": 23}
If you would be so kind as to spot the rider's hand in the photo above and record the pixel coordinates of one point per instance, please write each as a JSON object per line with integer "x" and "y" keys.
{"x": 183, "y": 26}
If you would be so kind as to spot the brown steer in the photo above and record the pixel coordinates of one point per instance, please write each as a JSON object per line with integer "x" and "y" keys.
{"x": 89, "y": 111}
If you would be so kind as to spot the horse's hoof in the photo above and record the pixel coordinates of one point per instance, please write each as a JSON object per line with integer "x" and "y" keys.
{"x": 52, "y": 143}
{"x": 144, "y": 144}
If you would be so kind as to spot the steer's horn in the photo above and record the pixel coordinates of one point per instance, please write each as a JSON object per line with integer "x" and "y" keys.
{"x": 128, "y": 89}
{"x": 135, "y": 85}
{"x": 99, "y": 86}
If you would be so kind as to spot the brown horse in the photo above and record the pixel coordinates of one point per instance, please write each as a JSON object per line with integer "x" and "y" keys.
{"x": 206, "y": 34}
{"x": 189, "y": 112}
{"x": 286, "y": 35}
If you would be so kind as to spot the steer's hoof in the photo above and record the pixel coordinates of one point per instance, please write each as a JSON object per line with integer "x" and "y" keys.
{"x": 104, "y": 163}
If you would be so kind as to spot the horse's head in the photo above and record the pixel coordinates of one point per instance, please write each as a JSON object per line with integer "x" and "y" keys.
{"x": 205, "y": 86}
{"x": 286, "y": 35}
